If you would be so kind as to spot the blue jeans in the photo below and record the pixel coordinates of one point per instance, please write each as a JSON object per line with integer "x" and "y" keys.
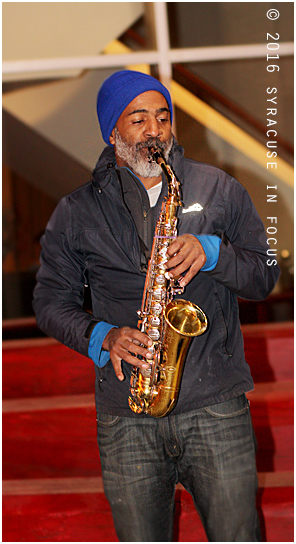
{"x": 211, "y": 451}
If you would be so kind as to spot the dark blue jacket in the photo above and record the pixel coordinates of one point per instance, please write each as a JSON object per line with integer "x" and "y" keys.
{"x": 91, "y": 237}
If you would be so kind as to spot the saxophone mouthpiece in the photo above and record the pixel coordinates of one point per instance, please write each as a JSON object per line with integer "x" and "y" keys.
{"x": 155, "y": 155}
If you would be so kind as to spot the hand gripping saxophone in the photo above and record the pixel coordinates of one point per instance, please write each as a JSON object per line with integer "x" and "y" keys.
{"x": 169, "y": 323}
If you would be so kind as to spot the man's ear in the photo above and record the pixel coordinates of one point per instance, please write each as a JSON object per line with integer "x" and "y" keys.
{"x": 112, "y": 137}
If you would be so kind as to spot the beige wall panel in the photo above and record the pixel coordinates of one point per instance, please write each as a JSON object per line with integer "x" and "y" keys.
{"x": 63, "y": 112}
{"x": 59, "y": 29}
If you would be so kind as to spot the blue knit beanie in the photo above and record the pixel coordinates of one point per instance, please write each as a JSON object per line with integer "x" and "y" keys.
{"x": 118, "y": 91}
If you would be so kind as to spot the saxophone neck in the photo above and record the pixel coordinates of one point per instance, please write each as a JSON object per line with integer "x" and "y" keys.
{"x": 173, "y": 183}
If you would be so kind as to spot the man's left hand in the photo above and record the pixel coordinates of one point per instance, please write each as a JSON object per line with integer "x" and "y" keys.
{"x": 185, "y": 253}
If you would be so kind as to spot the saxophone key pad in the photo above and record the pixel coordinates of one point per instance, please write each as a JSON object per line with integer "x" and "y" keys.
{"x": 159, "y": 294}
{"x": 154, "y": 334}
{"x": 156, "y": 308}
{"x": 154, "y": 321}
{"x": 160, "y": 279}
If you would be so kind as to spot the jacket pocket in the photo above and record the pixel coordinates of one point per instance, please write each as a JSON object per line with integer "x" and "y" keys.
{"x": 221, "y": 326}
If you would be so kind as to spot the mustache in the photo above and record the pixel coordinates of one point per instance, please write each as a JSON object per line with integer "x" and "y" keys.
{"x": 151, "y": 142}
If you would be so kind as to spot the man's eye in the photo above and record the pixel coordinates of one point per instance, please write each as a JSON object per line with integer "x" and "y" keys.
{"x": 163, "y": 119}
{"x": 137, "y": 121}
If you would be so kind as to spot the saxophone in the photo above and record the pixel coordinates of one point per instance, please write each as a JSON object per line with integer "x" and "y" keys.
{"x": 171, "y": 324}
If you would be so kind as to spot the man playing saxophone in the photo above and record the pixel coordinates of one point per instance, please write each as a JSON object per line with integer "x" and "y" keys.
{"x": 103, "y": 234}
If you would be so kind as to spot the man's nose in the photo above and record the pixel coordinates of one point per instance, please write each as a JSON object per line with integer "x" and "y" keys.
{"x": 152, "y": 127}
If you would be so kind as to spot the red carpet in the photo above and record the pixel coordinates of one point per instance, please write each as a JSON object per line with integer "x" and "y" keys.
{"x": 52, "y": 488}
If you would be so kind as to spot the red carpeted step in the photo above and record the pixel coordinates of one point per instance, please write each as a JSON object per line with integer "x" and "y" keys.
{"x": 276, "y": 409}
{"x": 276, "y": 512}
{"x": 275, "y": 448}
{"x": 272, "y": 409}
{"x": 54, "y": 443}
{"x": 58, "y": 518}
{"x": 269, "y": 351}
{"x": 33, "y": 368}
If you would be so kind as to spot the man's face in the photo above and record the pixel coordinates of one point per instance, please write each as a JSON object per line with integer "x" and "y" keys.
{"x": 144, "y": 123}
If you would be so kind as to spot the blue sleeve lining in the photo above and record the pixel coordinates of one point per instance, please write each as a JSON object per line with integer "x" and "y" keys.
{"x": 99, "y": 356}
{"x": 211, "y": 246}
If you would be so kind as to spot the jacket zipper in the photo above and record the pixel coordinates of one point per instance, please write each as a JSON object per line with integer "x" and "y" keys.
{"x": 224, "y": 329}
{"x": 145, "y": 223}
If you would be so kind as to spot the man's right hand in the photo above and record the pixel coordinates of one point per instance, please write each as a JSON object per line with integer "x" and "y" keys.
{"x": 126, "y": 343}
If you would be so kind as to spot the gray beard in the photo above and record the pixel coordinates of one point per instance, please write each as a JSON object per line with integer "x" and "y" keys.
{"x": 136, "y": 155}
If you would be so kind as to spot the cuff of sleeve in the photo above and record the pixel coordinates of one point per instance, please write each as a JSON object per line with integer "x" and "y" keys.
{"x": 99, "y": 356}
{"x": 211, "y": 247}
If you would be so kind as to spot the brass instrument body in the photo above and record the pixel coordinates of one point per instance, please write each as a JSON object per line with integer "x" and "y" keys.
{"x": 170, "y": 324}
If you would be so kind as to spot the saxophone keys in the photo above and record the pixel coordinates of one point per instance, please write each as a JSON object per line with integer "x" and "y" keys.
{"x": 156, "y": 308}
{"x": 151, "y": 349}
{"x": 146, "y": 372}
{"x": 154, "y": 334}
{"x": 154, "y": 320}
{"x": 160, "y": 279}
{"x": 161, "y": 264}
{"x": 162, "y": 257}
{"x": 159, "y": 294}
